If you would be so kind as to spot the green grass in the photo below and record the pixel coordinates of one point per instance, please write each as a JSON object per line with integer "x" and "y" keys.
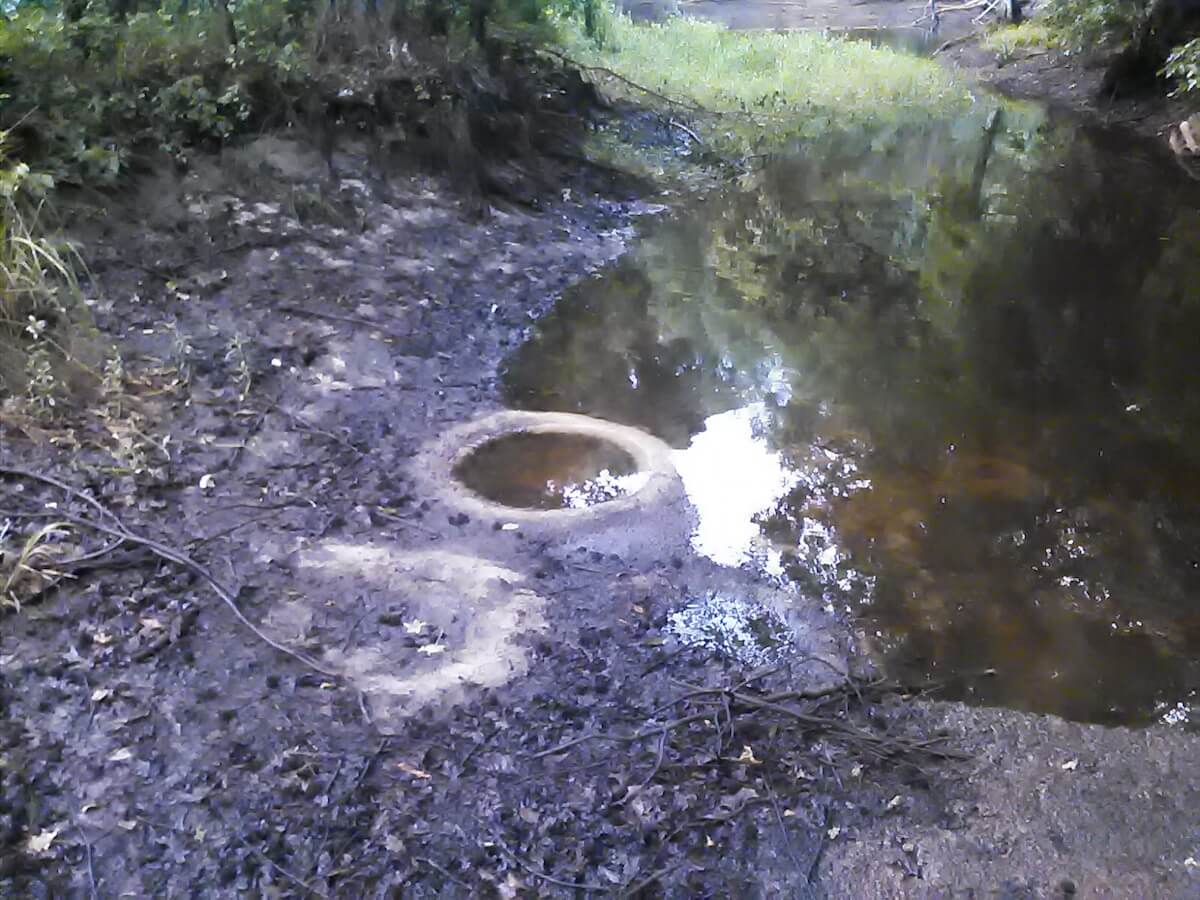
{"x": 1008, "y": 39}
{"x": 779, "y": 83}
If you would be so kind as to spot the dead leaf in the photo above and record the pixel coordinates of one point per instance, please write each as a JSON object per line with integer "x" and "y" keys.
{"x": 412, "y": 770}
{"x": 748, "y": 757}
{"x": 40, "y": 843}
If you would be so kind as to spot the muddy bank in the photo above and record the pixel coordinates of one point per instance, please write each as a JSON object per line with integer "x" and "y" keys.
{"x": 299, "y": 343}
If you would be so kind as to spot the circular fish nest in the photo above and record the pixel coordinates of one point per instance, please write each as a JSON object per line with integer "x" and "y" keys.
{"x": 647, "y": 473}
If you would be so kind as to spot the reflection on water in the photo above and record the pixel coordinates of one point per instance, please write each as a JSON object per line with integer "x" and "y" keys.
{"x": 741, "y": 629}
{"x": 941, "y": 377}
{"x": 918, "y": 41}
{"x": 549, "y": 470}
{"x": 729, "y": 497}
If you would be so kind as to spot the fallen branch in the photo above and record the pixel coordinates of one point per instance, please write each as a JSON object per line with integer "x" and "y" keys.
{"x": 119, "y": 530}
{"x": 879, "y": 746}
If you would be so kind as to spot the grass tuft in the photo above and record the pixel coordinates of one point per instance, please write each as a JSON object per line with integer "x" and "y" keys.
{"x": 791, "y": 83}
{"x": 1006, "y": 40}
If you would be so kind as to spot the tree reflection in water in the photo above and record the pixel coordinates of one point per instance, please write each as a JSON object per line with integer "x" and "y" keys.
{"x": 970, "y": 347}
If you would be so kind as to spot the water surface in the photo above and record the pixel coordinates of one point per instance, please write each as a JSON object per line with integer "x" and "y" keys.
{"x": 941, "y": 376}
{"x": 549, "y": 470}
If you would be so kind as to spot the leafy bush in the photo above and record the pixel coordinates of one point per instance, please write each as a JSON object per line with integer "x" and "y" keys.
{"x": 1183, "y": 67}
{"x": 83, "y": 96}
{"x": 1086, "y": 24}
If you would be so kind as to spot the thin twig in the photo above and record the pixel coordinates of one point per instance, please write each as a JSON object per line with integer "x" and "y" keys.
{"x": 573, "y": 885}
{"x": 654, "y": 876}
{"x": 662, "y": 748}
{"x": 441, "y": 871}
{"x": 603, "y": 70}
{"x": 295, "y": 879}
{"x": 91, "y": 871}
{"x": 225, "y": 532}
{"x": 787, "y": 837}
{"x": 816, "y": 860}
{"x": 622, "y": 739}
{"x": 695, "y": 137}
{"x": 348, "y": 320}
{"x": 170, "y": 555}
{"x": 63, "y": 486}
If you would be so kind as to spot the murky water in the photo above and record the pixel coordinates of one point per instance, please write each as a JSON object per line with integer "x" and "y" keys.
{"x": 917, "y": 41}
{"x": 547, "y": 470}
{"x": 941, "y": 377}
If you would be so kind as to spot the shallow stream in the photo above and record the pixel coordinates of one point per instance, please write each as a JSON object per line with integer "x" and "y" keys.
{"x": 941, "y": 376}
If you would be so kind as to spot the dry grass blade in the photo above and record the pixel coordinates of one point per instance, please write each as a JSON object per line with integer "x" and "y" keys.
{"x": 34, "y": 561}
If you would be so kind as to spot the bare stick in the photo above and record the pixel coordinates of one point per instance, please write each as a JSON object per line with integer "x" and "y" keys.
{"x": 623, "y": 739}
{"x": 575, "y": 886}
{"x": 349, "y": 320}
{"x": 170, "y": 555}
{"x": 695, "y": 137}
{"x": 583, "y": 67}
{"x": 640, "y": 886}
{"x": 429, "y": 862}
{"x": 182, "y": 559}
{"x": 87, "y": 846}
{"x": 288, "y": 875}
{"x": 63, "y": 486}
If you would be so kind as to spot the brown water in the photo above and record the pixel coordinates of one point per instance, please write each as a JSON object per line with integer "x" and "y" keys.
{"x": 548, "y": 470}
{"x": 942, "y": 378}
